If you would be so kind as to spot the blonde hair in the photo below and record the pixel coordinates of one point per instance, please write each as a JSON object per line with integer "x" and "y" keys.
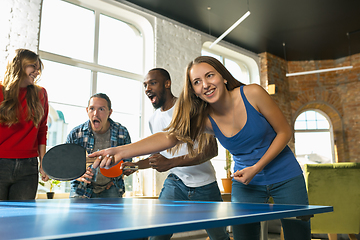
{"x": 15, "y": 72}
{"x": 191, "y": 112}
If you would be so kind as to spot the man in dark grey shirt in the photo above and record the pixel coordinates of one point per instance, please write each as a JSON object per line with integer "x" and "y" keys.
{"x": 99, "y": 132}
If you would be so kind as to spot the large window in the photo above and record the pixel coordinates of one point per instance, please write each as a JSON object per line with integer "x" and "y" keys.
{"x": 313, "y": 138}
{"x": 87, "y": 49}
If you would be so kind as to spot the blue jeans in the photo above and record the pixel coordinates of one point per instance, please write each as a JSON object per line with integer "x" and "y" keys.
{"x": 18, "y": 178}
{"x": 291, "y": 191}
{"x": 112, "y": 192}
{"x": 175, "y": 189}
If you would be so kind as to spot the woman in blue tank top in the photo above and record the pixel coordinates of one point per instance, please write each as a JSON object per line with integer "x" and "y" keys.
{"x": 249, "y": 124}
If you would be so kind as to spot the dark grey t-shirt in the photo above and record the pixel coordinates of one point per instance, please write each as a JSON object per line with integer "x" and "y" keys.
{"x": 102, "y": 141}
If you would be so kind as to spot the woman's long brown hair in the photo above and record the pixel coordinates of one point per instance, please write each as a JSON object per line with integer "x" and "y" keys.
{"x": 10, "y": 106}
{"x": 191, "y": 112}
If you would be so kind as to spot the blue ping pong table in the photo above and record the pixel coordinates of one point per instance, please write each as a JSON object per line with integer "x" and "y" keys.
{"x": 130, "y": 218}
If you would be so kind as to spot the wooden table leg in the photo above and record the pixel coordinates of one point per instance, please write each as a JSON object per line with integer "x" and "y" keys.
{"x": 332, "y": 236}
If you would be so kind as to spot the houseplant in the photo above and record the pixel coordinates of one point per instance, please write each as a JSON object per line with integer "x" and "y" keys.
{"x": 228, "y": 180}
{"x": 53, "y": 183}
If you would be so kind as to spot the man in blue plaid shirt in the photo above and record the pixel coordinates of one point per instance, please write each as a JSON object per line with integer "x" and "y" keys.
{"x": 99, "y": 132}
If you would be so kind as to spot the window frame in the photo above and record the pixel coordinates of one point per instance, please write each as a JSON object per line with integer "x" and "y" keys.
{"x": 321, "y": 130}
{"x": 130, "y": 16}
{"x": 126, "y": 14}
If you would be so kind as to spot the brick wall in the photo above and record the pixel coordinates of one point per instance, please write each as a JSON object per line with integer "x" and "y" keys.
{"x": 334, "y": 93}
{"x": 19, "y": 27}
{"x": 175, "y": 47}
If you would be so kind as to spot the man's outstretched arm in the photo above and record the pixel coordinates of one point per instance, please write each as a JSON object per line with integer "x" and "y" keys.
{"x": 162, "y": 164}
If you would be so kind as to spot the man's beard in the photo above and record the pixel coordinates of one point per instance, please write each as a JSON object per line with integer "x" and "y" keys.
{"x": 160, "y": 103}
{"x": 161, "y": 100}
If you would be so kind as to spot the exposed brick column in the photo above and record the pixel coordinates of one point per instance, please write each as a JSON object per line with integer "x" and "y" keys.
{"x": 273, "y": 71}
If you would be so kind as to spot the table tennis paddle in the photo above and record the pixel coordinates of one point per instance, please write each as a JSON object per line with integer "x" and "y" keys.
{"x": 68, "y": 161}
{"x": 115, "y": 171}
{"x": 65, "y": 162}
{"x": 112, "y": 172}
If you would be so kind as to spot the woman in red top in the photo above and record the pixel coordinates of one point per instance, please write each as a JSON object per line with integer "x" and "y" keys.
{"x": 23, "y": 129}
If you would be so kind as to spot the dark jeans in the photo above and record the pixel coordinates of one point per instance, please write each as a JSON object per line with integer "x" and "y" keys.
{"x": 291, "y": 191}
{"x": 18, "y": 178}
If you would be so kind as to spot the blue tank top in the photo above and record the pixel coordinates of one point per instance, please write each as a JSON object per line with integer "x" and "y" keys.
{"x": 251, "y": 143}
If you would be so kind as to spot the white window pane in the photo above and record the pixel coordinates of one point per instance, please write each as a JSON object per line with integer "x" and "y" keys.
{"x": 220, "y": 172}
{"x": 311, "y": 120}
{"x": 124, "y": 93}
{"x": 66, "y": 84}
{"x": 236, "y": 71}
{"x": 320, "y": 117}
{"x": 120, "y": 45}
{"x": 57, "y": 127}
{"x": 302, "y": 117}
{"x": 323, "y": 124}
{"x": 233, "y": 68}
{"x": 67, "y": 30}
{"x": 311, "y": 125}
{"x": 310, "y": 115}
{"x": 206, "y": 53}
{"x": 73, "y": 117}
{"x": 300, "y": 125}
{"x": 131, "y": 122}
{"x": 221, "y": 151}
{"x": 313, "y": 147}
{"x": 219, "y": 165}
{"x": 125, "y": 96}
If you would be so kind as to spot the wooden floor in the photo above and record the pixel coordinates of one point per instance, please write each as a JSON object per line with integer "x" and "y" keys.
{"x": 201, "y": 235}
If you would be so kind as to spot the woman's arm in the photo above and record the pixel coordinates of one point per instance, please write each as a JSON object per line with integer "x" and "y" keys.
{"x": 262, "y": 101}
{"x": 42, "y": 150}
{"x": 43, "y": 128}
{"x": 152, "y": 144}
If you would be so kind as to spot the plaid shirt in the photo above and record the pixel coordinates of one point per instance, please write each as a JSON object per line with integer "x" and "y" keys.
{"x": 84, "y": 136}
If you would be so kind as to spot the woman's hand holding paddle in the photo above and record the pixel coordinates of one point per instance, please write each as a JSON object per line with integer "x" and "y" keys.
{"x": 105, "y": 158}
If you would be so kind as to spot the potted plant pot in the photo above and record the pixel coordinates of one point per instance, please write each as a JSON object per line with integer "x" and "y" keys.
{"x": 227, "y": 184}
{"x": 50, "y": 195}
{"x": 52, "y": 183}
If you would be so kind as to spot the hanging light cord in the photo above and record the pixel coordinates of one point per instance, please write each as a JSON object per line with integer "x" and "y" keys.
{"x": 284, "y": 51}
{"x": 349, "y": 46}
